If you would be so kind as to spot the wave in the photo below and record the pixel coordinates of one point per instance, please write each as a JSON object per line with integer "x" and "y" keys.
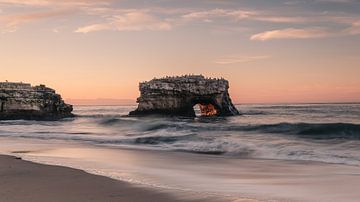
{"x": 317, "y": 131}
{"x": 215, "y": 137}
{"x": 256, "y": 111}
{"x": 33, "y": 122}
{"x": 99, "y": 115}
{"x": 163, "y": 139}
{"x": 218, "y": 147}
{"x": 321, "y": 131}
{"x": 114, "y": 121}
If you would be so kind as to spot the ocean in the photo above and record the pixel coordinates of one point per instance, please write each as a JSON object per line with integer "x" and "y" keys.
{"x": 327, "y": 133}
{"x": 292, "y": 152}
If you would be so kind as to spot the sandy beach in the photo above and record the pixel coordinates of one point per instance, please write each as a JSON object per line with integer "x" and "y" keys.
{"x": 26, "y": 181}
{"x": 142, "y": 175}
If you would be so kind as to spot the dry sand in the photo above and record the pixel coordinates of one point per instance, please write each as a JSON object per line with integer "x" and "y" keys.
{"x": 26, "y": 181}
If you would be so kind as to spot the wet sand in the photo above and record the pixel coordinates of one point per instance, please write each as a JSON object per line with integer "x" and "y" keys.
{"x": 26, "y": 181}
{"x": 186, "y": 176}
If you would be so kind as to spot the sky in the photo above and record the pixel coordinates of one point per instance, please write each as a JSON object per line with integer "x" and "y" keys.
{"x": 271, "y": 51}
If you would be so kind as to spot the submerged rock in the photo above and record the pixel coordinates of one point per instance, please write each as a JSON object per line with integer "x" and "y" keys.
{"x": 23, "y": 101}
{"x": 179, "y": 95}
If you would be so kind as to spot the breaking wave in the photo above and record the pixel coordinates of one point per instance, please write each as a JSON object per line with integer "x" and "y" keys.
{"x": 319, "y": 131}
{"x": 323, "y": 131}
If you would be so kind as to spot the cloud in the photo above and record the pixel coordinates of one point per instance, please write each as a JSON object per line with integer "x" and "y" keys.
{"x": 131, "y": 21}
{"x": 295, "y": 2}
{"x": 239, "y": 59}
{"x": 108, "y": 15}
{"x": 111, "y": 18}
{"x": 137, "y": 21}
{"x": 353, "y": 28}
{"x": 27, "y": 2}
{"x": 94, "y": 28}
{"x": 11, "y": 22}
{"x": 214, "y": 13}
{"x": 55, "y": 2}
{"x": 291, "y": 33}
{"x": 36, "y": 10}
{"x": 206, "y": 15}
{"x": 334, "y": 1}
{"x": 281, "y": 19}
{"x": 264, "y": 16}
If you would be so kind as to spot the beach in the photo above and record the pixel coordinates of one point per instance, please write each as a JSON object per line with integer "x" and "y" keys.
{"x": 27, "y": 181}
{"x": 166, "y": 176}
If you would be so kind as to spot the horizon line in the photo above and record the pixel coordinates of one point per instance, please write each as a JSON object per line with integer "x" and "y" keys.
{"x": 273, "y": 103}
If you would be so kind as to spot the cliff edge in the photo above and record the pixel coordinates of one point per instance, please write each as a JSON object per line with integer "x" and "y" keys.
{"x": 23, "y": 101}
{"x": 178, "y": 96}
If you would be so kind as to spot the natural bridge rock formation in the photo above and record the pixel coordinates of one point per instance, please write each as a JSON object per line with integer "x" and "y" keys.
{"x": 178, "y": 96}
{"x": 23, "y": 101}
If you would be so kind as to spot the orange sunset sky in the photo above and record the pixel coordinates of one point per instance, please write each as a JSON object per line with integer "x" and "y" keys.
{"x": 277, "y": 51}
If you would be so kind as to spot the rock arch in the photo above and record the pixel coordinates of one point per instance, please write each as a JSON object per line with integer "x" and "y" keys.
{"x": 178, "y": 95}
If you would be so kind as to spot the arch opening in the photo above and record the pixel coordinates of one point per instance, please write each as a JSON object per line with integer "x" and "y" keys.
{"x": 208, "y": 109}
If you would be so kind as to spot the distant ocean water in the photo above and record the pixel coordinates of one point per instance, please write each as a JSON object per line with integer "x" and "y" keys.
{"x": 317, "y": 132}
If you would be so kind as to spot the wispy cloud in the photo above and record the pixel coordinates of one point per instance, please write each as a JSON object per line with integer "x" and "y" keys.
{"x": 281, "y": 19}
{"x": 94, "y": 28}
{"x": 291, "y": 33}
{"x": 28, "y": 2}
{"x": 55, "y": 2}
{"x": 215, "y": 13}
{"x": 237, "y": 14}
{"x": 11, "y": 22}
{"x": 110, "y": 17}
{"x": 36, "y": 10}
{"x": 131, "y": 21}
{"x": 307, "y": 33}
{"x": 232, "y": 59}
{"x": 100, "y": 15}
{"x": 295, "y": 2}
{"x": 334, "y": 1}
{"x": 354, "y": 29}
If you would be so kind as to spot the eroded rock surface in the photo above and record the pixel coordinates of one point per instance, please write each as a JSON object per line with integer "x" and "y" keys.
{"x": 178, "y": 96}
{"x": 23, "y": 101}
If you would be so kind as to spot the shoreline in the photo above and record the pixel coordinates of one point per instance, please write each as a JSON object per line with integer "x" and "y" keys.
{"x": 23, "y": 180}
{"x": 197, "y": 177}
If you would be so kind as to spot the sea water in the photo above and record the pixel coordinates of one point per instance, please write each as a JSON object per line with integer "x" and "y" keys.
{"x": 317, "y": 132}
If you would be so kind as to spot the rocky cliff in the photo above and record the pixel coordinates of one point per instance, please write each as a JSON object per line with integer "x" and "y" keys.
{"x": 23, "y": 101}
{"x": 178, "y": 96}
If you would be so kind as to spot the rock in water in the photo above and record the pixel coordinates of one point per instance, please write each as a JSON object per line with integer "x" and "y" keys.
{"x": 23, "y": 101}
{"x": 178, "y": 96}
